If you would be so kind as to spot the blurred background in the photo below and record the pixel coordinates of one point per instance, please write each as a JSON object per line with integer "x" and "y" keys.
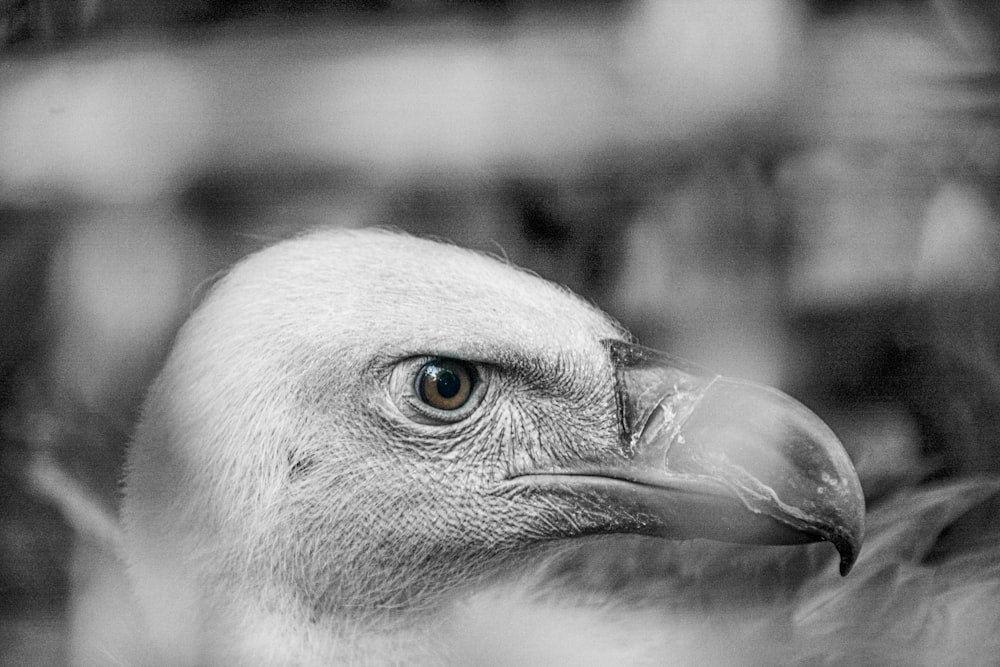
{"x": 802, "y": 193}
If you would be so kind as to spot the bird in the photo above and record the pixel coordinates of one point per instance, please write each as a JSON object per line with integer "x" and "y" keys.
{"x": 370, "y": 448}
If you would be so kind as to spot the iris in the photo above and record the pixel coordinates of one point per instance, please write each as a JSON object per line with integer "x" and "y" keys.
{"x": 445, "y": 384}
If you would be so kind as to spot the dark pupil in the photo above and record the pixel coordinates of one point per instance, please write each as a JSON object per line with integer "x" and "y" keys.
{"x": 448, "y": 383}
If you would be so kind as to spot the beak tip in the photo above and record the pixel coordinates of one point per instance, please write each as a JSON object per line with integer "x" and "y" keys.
{"x": 848, "y": 540}
{"x": 843, "y": 522}
{"x": 846, "y": 524}
{"x": 848, "y": 548}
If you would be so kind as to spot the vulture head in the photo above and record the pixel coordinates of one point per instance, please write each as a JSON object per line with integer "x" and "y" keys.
{"x": 356, "y": 426}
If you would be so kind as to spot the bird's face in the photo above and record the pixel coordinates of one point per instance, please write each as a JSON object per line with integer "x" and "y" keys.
{"x": 359, "y": 421}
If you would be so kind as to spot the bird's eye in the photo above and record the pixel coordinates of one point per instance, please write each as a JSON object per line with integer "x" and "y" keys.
{"x": 445, "y": 384}
{"x": 436, "y": 391}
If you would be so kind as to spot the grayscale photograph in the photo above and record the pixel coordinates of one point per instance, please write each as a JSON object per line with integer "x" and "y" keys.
{"x": 500, "y": 332}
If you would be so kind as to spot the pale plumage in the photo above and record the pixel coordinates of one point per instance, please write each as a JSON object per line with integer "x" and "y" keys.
{"x": 293, "y": 497}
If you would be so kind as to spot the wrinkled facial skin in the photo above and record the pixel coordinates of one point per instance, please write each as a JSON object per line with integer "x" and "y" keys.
{"x": 286, "y": 457}
{"x": 428, "y": 495}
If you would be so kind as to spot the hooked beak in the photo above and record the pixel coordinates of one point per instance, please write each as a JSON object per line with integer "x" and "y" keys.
{"x": 732, "y": 460}
{"x": 707, "y": 456}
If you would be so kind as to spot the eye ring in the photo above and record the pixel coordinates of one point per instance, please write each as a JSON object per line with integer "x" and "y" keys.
{"x": 445, "y": 384}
